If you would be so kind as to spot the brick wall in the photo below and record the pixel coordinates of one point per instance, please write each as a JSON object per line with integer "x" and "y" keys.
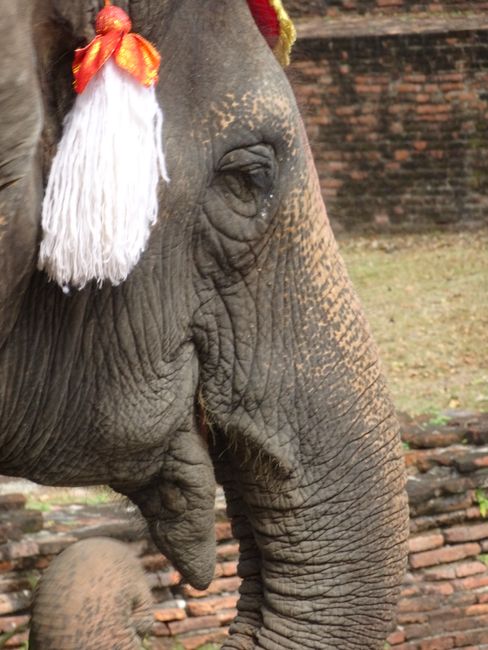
{"x": 303, "y": 8}
{"x": 444, "y": 602}
{"x": 397, "y": 115}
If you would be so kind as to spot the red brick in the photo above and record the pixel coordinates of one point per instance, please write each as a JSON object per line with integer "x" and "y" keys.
{"x": 419, "y": 631}
{"x": 369, "y": 88}
{"x": 228, "y": 568}
{"x": 444, "y": 588}
{"x": 192, "y": 624}
{"x": 199, "y": 640}
{"x": 358, "y": 175}
{"x": 22, "y": 549}
{"x": 164, "y": 613}
{"x": 463, "y": 623}
{"x": 226, "y": 615}
{"x": 402, "y": 154}
{"x": 10, "y": 623}
{"x": 470, "y": 637}
{"x": 160, "y": 629}
{"x": 218, "y": 586}
{"x": 415, "y": 78}
{"x": 12, "y": 501}
{"x": 370, "y": 78}
{"x": 396, "y": 637}
{"x": 333, "y": 183}
{"x": 409, "y": 618}
{"x": 370, "y": 121}
{"x": 451, "y": 86}
{"x": 419, "y": 604}
{"x": 473, "y": 513}
{"x": 407, "y": 592}
{"x": 223, "y": 530}
{"x": 167, "y": 578}
{"x": 435, "y": 117}
{"x": 227, "y": 551}
{"x": 345, "y": 110}
{"x": 206, "y": 606}
{"x": 54, "y": 544}
{"x": 450, "y": 76}
{"x": 474, "y": 582}
{"x": 467, "y": 533}
{"x": 42, "y": 563}
{"x": 408, "y": 88}
{"x": 395, "y": 109}
{"x": 17, "y": 641}
{"x": 433, "y": 108}
{"x": 477, "y": 610}
{"x": 444, "y": 555}
{"x": 425, "y": 542}
{"x": 466, "y": 569}
{"x": 439, "y": 643}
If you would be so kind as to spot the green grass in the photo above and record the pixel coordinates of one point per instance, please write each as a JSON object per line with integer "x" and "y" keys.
{"x": 45, "y": 501}
{"x": 426, "y": 297}
{"x": 482, "y": 500}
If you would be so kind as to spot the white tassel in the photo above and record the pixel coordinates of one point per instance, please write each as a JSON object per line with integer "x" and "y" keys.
{"x": 101, "y": 198}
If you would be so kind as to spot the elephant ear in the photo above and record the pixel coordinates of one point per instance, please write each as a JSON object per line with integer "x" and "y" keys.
{"x": 276, "y": 27}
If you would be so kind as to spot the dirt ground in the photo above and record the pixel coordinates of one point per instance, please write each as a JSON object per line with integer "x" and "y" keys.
{"x": 426, "y": 297}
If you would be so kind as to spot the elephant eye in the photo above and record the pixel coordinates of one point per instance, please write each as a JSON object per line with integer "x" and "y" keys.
{"x": 245, "y": 178}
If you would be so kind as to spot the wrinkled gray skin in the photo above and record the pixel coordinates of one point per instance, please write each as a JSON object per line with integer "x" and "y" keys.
{"x": 101, "y": 598}
{"x": 240, "y": 314}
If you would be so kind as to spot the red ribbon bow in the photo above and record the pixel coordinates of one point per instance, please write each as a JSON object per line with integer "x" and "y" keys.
{"x": 130, "y": 52}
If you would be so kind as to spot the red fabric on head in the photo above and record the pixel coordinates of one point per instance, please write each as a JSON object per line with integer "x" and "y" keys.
{"x": 266, "y": 19}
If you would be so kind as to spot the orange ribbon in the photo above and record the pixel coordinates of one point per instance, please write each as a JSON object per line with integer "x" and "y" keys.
{"x": 131, "y": 52}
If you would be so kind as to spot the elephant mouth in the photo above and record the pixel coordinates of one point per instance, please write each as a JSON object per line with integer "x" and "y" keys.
{"x": 179, "y": 504}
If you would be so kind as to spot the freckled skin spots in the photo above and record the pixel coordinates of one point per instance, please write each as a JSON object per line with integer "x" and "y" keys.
{"x": 240, "y": 316}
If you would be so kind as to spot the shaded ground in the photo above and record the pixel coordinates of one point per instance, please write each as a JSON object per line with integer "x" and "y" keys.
{"x": 426, "y": 297}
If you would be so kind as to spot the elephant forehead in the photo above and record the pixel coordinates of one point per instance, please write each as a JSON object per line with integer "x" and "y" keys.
{"x": 251, "y": 110}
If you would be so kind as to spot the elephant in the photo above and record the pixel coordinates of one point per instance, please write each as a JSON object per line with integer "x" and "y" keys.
{"x": 93, "y": 595}
{"x": 236, "y": 352}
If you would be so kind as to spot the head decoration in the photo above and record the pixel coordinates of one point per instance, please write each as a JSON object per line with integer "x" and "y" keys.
{"x": 101, "y": 196}
{"x": 276, "y": 27}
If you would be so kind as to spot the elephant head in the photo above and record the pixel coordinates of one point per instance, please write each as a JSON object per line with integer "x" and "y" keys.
{"x": 92, "y": 596}
{"x": 236, "y": 348}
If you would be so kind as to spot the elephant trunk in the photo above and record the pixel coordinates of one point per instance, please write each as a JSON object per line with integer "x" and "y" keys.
{"x": 94, "y": 595}
{"x": 318, "y": 503}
